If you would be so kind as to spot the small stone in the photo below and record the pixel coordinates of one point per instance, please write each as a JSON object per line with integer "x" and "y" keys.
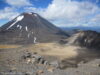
{"x": 55, "y": 64}
{"x": 50, "y": 69}
{"x": 35, "y": 53}
{"x": 39, "y": 72}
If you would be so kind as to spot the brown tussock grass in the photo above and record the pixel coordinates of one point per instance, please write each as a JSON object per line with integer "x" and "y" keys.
{"x": 9, "y": 46}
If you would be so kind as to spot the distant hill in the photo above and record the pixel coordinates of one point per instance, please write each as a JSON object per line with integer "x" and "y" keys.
{"x": 81, "y": 28}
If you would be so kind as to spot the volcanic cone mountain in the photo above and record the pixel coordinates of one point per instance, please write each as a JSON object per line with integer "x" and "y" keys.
{"x": 30, "y": 28}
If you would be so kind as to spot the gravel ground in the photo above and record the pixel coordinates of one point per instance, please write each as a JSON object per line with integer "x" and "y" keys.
{"x": 10, "y": 64}
{"x": 90, "y": 68}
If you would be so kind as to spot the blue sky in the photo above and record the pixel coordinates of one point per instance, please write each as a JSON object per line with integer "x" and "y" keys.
{"x": 63, "y": 13}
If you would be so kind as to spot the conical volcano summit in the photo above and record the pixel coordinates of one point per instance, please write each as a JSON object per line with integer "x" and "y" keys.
{"x": 30, "y": 28}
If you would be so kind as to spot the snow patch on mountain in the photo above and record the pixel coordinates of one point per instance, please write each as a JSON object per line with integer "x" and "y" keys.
{"x": 35, "y": 40}
{"x": 18, "y": 26}
{"x": 35, "y": 15}
{"x": 26, "y": 28}
{"x": 32, "y": 32}
{"x": 30, "y": 13}
{"x": 12, "y": 25}
{"x": 19, "y": 18}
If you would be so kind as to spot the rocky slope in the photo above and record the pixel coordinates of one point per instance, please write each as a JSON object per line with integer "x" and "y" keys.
{"x": 89, "y": 39}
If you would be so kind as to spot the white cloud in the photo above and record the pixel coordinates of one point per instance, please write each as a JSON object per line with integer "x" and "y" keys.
{"x": 95, "y": 21}
{"x": 96, "y": 18}
{"x": 19, "y": 3}
{"x": 11, "y": 12}
{"x": 59, "y": 12}
{"x": 67, "y": 12}
{"x": 8, "y": 13}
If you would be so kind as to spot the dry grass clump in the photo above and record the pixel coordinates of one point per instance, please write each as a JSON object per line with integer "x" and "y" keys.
{"x": 9, "y": 46}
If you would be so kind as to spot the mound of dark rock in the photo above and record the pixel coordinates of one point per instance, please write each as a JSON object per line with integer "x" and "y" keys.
{"x": 90, "y": 39}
